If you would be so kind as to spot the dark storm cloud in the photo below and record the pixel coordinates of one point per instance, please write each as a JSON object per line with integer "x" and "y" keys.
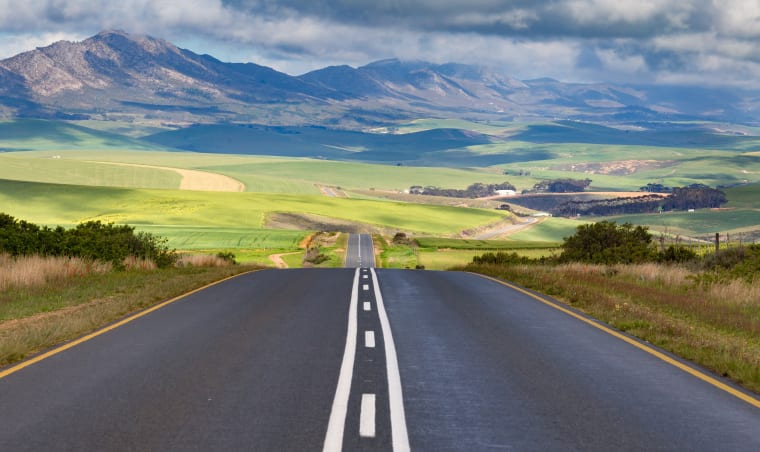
{"x": 520, "y": 18}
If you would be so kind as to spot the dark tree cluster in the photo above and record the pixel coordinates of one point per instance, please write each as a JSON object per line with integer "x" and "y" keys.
{"x": 605, "y": 207}
{"x": 476, "y": 190}
{"x": 91, "y": 240}
{"x": 656, "y": 188}
{"x": 562, "y": 186}
{"x": 696, "y": 196}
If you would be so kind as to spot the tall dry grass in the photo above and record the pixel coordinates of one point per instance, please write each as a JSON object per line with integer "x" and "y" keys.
{"x": 36, "y": 271}
{"x": 202, "y": 260}
{"x": 31, "y": 271}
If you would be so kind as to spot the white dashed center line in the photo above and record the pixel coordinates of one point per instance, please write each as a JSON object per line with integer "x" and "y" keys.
{"x": 369, "y": 339}
{"x": 367, "y": 416}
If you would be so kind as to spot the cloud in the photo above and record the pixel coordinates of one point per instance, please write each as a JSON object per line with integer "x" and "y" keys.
{"x": 713, "y": 41}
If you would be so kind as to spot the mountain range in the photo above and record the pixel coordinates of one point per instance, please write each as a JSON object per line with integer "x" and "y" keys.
{"x": 116, "y": 75}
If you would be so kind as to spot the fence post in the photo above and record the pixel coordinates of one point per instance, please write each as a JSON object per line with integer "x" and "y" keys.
{"x": 717, "y": 243}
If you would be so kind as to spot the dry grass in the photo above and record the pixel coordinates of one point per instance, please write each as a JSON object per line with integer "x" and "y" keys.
{"x": 202, "y": 260}
{"x": 35, "y": 318}
{"x": 36, "y": 270}
{"x": 716, "y": 325}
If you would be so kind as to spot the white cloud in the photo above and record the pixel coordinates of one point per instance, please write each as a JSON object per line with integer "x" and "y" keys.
{"x": 14, "y": 44}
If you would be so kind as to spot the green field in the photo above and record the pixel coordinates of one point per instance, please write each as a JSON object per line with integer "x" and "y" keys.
{"x": 446, "y": 259}
{"x": 74, "y": 155}
{"x": 191, "y": 238}
{"x": 470, "y": 244}
{"x": 703, "y": 222}
{"x": 36, "y": 134}
{"x": 54, "y": 169}
{"x": 259, "y": 174}
{"x": 69, "y": 205}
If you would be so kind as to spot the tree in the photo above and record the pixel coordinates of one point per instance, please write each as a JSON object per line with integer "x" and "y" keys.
{"x": 607, "y": 242}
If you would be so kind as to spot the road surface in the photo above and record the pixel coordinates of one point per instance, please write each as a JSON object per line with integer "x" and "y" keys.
{"x": 360, "y": 251}
{"x": 365, "y": 359}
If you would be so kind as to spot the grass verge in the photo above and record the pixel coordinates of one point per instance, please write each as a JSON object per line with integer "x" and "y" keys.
{"x": 716, "y": 326}
{"x": 35, "y": 318}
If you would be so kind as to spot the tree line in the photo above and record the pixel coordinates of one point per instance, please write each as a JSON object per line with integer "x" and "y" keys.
{"x": 476, "y": 190}
{"x": 696, "y": 196}
{"x": 90, "y": 240}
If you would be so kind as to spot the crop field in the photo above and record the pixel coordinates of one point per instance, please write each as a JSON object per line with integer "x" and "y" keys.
{"x": 259, "y": 174}
{"x": 548, "y": 230}
{"x": 56, "y": 170}
{"x": 704, "y": 222}
{"x": 220, "y": 238}
{"x": 745, "y": 196}
{"x": 469, "y": 244}
{"x": 68, "y": 205}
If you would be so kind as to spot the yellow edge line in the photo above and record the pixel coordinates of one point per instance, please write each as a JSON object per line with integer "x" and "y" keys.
{"x": 696, "y": 373}
{"x": 113, "y": 326}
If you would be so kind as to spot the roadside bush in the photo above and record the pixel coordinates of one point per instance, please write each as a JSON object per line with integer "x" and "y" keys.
{"x": 608, "y": 243}
{"x": 91, "y": 240}
{"x": 677, "y": 255}
{"x": 315, "y": 256}
{"x": 734, "y": 263}
{"x": 227, "y": 256}
{"x": 500, "y": 258}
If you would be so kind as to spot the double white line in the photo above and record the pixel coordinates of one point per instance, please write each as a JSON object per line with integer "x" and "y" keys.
{"x": 337, "y": 423}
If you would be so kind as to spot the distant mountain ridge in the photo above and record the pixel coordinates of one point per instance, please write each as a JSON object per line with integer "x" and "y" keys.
{"x": 116, "y": 75}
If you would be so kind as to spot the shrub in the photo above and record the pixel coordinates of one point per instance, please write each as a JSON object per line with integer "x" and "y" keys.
{"x": 607, "y": 242}
{"x": 500, "y": 258}
{"x": 91, "y": 240}
{"x": 677, "y": 254}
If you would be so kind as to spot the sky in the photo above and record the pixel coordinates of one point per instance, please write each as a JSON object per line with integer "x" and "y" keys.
{"x": 714, "y": 42}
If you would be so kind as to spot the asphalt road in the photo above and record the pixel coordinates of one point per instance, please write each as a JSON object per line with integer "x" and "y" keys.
{"x": 282, "y": 360}
{"x": 360, "y": 252}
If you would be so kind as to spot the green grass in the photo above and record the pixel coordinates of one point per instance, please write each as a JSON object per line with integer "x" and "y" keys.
{"x": 68, "y": 205}
{"x": 22, "y": 167}
{"x": 437, "y": 253}
{"x": 744, "y": 196}
{"x": 700, "y": 222}
{"x": 470, "y": 244}
{"x": 721, "y": 161}
{"x": 204, "y": 238}
{"x": 293, "y": 260}
{"x": 259, "y": 174}
{"x": 35, "y": 134}
{"x": 447, "y": 259}
{"x": 551, "y": 229}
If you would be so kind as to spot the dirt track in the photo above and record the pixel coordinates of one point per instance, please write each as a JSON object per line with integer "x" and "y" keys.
{"x": 194, "y": 179}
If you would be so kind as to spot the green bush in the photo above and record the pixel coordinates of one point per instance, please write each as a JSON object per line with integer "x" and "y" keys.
{"x": 500, "y": 258}
{"x": 677, "y": 254}
{"x": 91, "y": 240}
{"x": 607, "y": 242}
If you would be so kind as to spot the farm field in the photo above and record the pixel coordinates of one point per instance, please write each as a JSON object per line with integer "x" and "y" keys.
{"x": 85, "y": 153}
{"x": 69, "y": 205}
{"x": 258, "y": 174}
